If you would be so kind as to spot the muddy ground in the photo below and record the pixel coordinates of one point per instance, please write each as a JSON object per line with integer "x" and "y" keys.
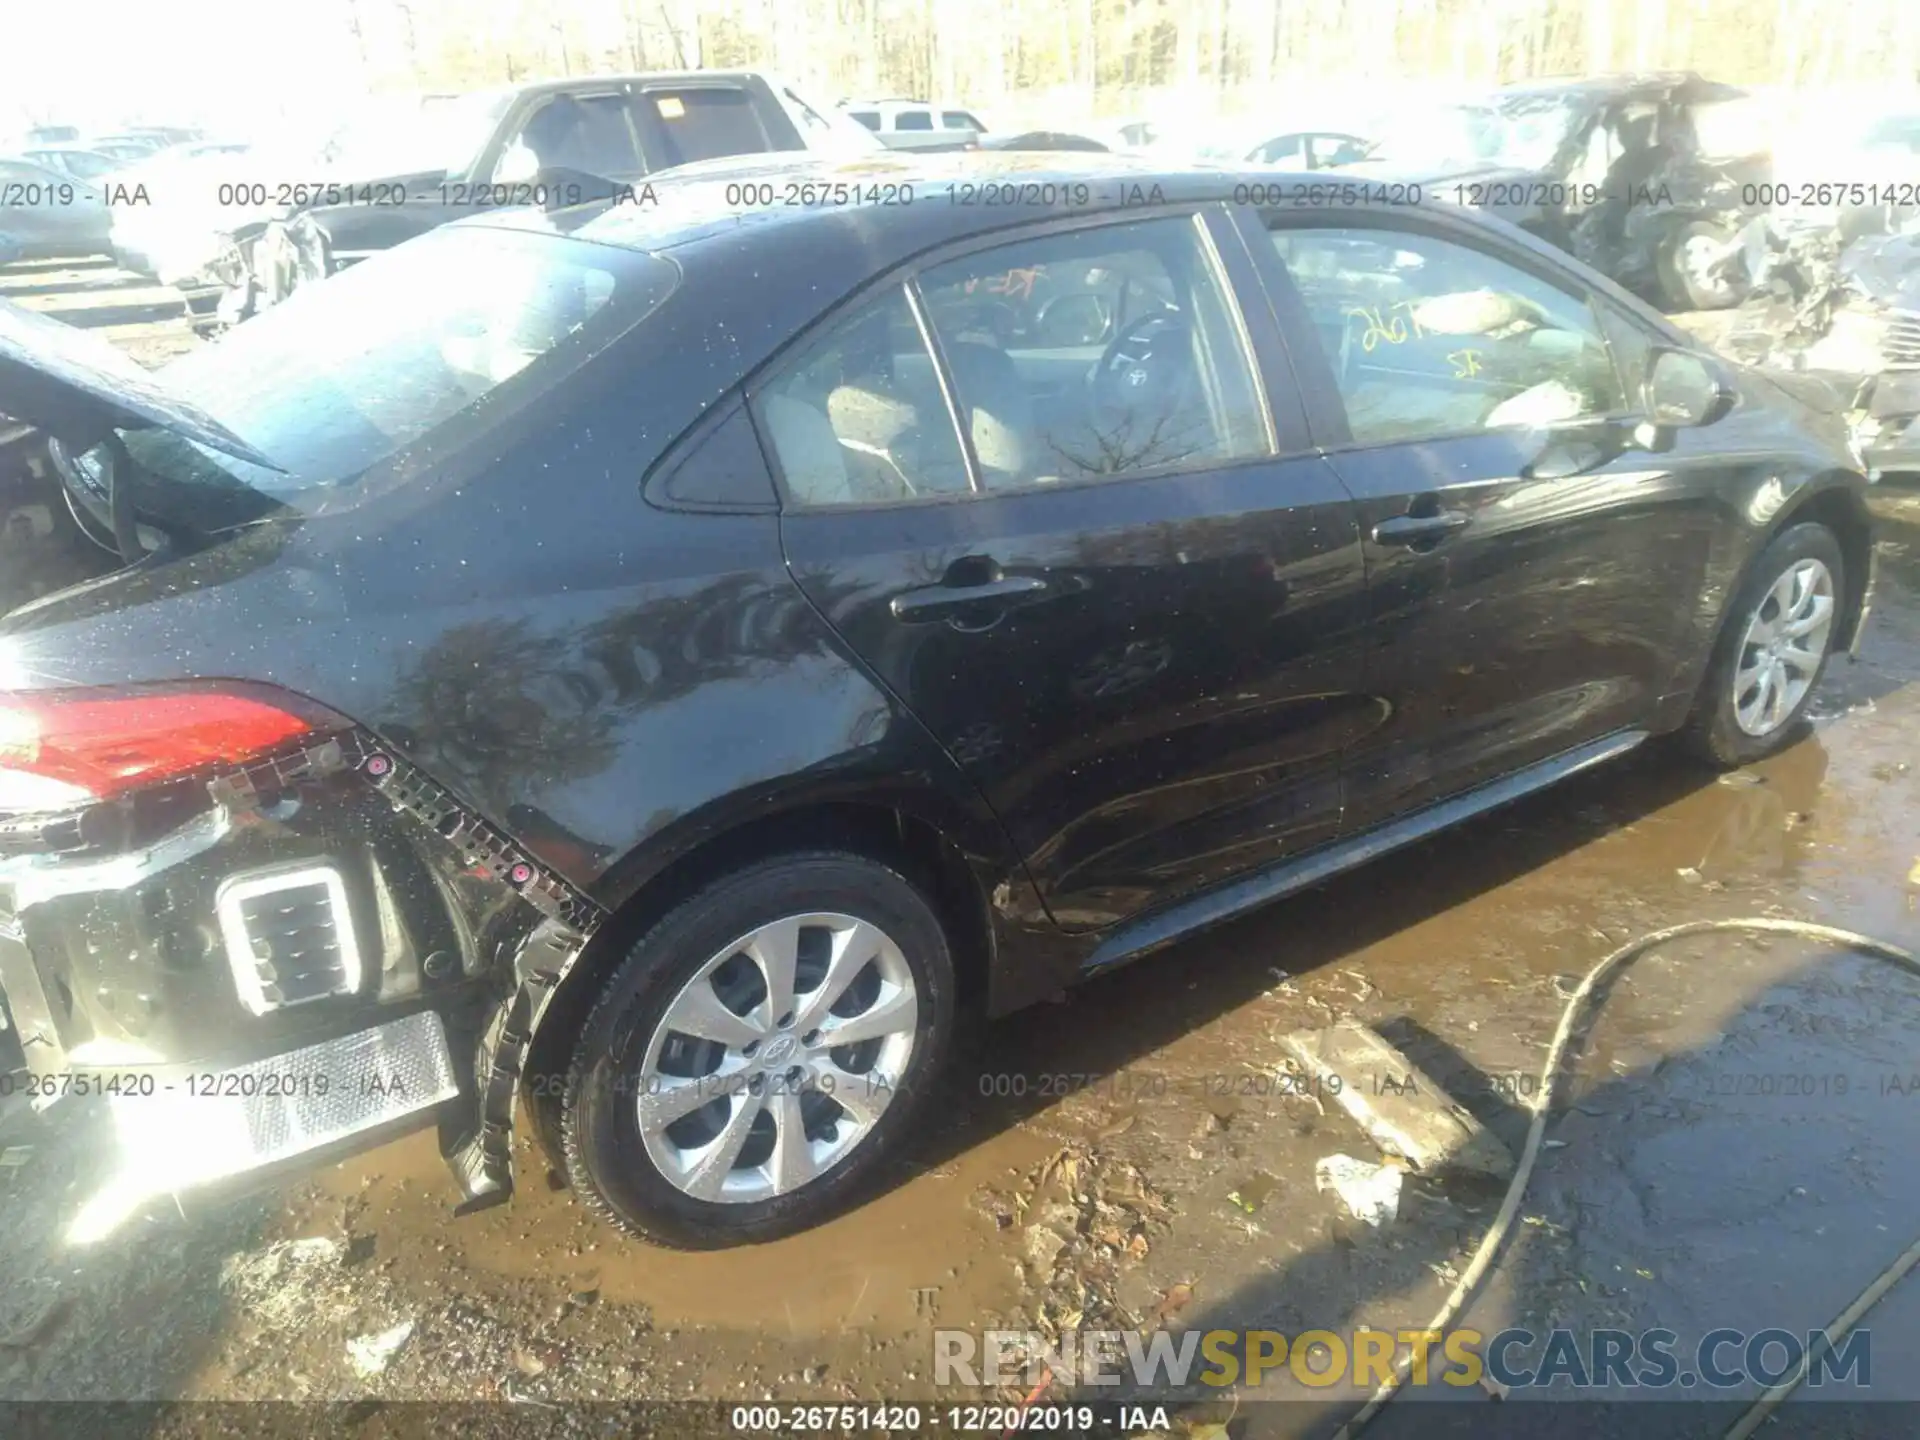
{"x": 1741, "y": 1145}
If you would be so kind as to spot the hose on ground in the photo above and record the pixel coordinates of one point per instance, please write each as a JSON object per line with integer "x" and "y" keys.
{"x": 1550, "y": 1070}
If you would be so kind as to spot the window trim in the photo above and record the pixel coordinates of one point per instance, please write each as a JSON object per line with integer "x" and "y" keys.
{"x": 906, "y": 277}
{"x": 1323, "y": 399}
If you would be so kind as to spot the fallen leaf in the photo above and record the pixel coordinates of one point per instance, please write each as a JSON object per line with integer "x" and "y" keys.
{"x": 1118, "y": 1127}
{"x": 1176, "y": 1299}
{"x": 1913, "y": 875}
{"x": 1137, "y": 1247}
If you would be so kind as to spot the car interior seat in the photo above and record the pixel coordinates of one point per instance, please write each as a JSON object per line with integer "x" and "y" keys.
{"x": 999, "y": 413}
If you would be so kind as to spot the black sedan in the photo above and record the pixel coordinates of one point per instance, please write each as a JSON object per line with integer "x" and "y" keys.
{"x": 669, "y": 660}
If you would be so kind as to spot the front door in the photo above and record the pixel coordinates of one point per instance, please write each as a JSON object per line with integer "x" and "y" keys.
{"x": 1126, "y": 600}
{"x": 1531, "y": 589}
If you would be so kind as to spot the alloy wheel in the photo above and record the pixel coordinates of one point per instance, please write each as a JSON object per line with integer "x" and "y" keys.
{"x": 777, "y": 1058}
{"x": 1785, "y": 642}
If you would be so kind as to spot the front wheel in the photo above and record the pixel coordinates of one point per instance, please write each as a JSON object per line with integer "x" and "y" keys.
{"x": 1694, "y": 272}
{"x": 760, "y": 1052}
{"x": 1773, "y": 649}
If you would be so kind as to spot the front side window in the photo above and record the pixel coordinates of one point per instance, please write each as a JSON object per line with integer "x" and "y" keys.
{"x": 859, "y": 419}
{"x": 1428, "y": 338}
{"x": 1096, "y": 353}
{"x": 588, "y": 133}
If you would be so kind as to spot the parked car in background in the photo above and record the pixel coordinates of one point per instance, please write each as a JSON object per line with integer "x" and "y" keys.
{"x": 177, "y": 237}
{"x": 1851, "y": 170}
{"x": 51, "y": 134}
{"x": 1609, "y": 167}
{"x": 916, "y": 124}
{"x": 1057, "y": 140}
{"x": 406, "y": 166}
{"x": 82, "y": 162}
{"x": 129, "y": 145}
{"x": 50, "y": 215}
{"x": 166, "y": 135}
{"x": 1289, "y": 537}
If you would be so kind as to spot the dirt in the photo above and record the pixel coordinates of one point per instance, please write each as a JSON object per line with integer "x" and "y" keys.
{"x": 1134, "y": 1154}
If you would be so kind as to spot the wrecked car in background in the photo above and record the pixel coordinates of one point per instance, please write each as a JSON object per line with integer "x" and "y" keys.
{"x": 1841, "y": 311}
{"x": 1611, "y": 168}
{"x": 283, "y": 219}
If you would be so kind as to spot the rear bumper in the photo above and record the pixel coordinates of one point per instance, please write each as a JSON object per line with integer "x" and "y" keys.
{"x": 303, "y": 966}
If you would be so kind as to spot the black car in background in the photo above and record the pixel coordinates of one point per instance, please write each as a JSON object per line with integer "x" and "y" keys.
{"x": 672, "y": 661}
{"x": 287, "y": 220}
{"x": 1611, "y": 168}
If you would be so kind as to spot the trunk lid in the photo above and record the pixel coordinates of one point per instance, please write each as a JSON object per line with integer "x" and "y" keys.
{"x": 76, "y": 387}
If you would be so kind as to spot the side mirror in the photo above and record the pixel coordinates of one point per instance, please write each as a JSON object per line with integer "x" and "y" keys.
{"x": 1685, "y": 389}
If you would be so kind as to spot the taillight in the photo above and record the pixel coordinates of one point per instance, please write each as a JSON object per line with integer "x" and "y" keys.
{"x": 64, "y": 747}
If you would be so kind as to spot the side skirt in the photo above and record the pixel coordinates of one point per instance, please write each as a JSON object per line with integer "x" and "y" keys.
{"x": 1163, "y": 927}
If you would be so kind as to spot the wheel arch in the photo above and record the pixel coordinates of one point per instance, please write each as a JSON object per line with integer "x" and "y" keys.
{"x": 888, "y": 830}
{"x": 1830, "y": 501}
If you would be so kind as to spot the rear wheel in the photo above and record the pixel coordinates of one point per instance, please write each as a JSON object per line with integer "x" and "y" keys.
{"x": 760, "y": 1052}
{"x": 1773, "y": 650}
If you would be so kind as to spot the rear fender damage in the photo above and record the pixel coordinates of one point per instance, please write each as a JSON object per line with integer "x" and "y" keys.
{"x": 530, "y": 962}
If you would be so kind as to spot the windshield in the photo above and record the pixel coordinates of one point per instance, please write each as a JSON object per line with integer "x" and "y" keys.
{"x": 417, "y": 134}
{"x": 1523, "y": 132}
{"x": 436, "y": 340}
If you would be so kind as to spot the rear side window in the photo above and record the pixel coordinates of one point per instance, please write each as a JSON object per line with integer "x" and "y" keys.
{"x": 859, "y": 417}
{"x": 958, "y": 120}
{"x": 913, "y": 120}
{"x": 1428, "y": 338}
{"x": 708, "y": 122}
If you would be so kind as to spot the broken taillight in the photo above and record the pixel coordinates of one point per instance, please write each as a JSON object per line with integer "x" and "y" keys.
{"x": 60, "y": 748}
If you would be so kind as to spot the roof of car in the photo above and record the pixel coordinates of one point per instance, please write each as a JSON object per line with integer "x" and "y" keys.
{"x": 650, "y": 77}
{"x": 698, "y": 202}
{"x": 1625, "y": 83}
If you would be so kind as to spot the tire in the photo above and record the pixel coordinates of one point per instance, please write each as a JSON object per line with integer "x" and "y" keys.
{"x": 658, "y": 1181}
{"x": 1715, "y": 731}
{"x": 1680, "y": 287}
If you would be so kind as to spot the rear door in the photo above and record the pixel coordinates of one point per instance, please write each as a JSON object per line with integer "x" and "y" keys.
{"x": 1083, "y": 547}
{"x": 1530, "y": 590}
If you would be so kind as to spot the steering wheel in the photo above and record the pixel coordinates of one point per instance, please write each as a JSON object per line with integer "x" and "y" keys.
{"x": 1147, "y": 363}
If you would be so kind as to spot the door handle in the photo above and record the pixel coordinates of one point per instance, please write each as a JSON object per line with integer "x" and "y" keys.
{"x": 948, "y": 602}
{"x": 1417, "y": 529}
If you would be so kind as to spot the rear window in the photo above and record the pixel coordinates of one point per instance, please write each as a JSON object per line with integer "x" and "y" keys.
{"x": 419, "y": 349}
{"x": 706, "y": 123}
